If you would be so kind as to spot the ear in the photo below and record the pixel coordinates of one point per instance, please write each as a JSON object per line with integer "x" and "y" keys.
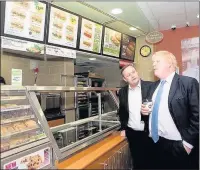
{"x": 124, "y": 79}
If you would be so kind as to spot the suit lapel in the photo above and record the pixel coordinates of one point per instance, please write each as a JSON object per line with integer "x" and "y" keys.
{"x": 173, "y": 88}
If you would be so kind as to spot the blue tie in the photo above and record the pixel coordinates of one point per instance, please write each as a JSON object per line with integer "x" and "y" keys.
{"x": 154, "y": 120}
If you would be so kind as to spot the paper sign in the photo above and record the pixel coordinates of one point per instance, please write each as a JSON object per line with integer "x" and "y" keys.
{"x": 16, "y": 77}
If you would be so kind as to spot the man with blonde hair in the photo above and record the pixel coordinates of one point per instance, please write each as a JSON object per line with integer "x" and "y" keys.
{"x": 174, "y": 121}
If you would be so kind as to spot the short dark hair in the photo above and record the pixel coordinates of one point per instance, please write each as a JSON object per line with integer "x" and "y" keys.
{"x": 123, "y": 68}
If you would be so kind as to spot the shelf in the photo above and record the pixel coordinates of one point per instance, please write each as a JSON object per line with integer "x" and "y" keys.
{"x": 7, "y": 98}
{"x": 27, "y": 141}
{"x": 17, "y": 133}
{"x": 16, "y": 108}
{"x": 17, "y": 119}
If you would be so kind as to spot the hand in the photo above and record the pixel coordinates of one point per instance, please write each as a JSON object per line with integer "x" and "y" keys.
{"x": 123, "y": 134}
{"x": 145, "y": 111}
{"x": 188, "y": 150}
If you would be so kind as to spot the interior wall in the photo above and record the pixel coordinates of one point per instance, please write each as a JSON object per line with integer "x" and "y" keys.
{"x": 143, "y": 64}
{"x": 172, "y": 41}
{"x": 112, "y": 75}
{"x": 49, "y": 71}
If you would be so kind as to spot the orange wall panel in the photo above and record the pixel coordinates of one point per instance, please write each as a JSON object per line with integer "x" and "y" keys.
{"x": 172, "y": 41}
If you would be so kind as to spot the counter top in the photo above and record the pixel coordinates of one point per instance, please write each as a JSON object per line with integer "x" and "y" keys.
{"x": 92, "y": 153}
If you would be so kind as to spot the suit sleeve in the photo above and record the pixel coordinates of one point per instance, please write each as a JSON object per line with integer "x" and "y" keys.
{"x": 193, "y": 100}
{"x": 120, "y": 111}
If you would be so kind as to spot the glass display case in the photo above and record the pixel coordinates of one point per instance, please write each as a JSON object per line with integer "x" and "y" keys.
{"x": 21, "y": 130}
{"x": 71, "y": 137}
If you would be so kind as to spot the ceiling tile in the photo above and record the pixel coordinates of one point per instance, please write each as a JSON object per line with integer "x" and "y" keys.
{"x": 124, "y": 29}
{"x": 132, "y": 14}
{"x": 167, "y": 10}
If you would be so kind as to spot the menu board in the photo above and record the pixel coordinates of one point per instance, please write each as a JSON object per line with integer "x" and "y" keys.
{"x": 128, "y": 47}
{"x": 91, "y": 34}
{"x": 112, "y": 41}
{"x": 25, "y": 19}
{"x": 63, "y": 28}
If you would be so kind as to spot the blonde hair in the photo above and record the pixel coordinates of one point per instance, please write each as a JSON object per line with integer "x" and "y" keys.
{"x": 169, "y": 56}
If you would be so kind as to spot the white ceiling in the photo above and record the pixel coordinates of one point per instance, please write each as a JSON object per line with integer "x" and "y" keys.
{"x": 146, "y": 16}
{"x": 162, "y": 15}
{"x": 132, "y": 16}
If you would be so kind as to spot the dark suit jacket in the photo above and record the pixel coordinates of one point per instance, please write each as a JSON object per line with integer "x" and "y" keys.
{"x": 183, "y": 104}
{"x": 124, "y": 105}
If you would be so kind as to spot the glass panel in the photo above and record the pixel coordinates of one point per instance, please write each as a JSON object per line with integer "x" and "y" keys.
{"x": 66, "y": 136}
{"x": 19, "y": 125}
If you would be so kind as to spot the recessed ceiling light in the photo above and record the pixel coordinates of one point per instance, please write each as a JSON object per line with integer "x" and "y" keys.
{"x": 198, "y": 16}
{"x": 132, "y": 28}
{"x": 92, "y": 58}
{"x": 116, "y": 11}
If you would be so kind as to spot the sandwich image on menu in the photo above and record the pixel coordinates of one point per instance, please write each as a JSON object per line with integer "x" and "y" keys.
{"x": 57, "y": 34}
{"x": 88, "y": 34}
{"x": 15, "y": 12}
{"x": 36, "y": 18}
{"x": 128, "y": 47}
{"x": 17, "y": 25}
{"x": 116, "y": 38}
{"x": 58, "y": 25}
{"x": 34, "y": 29}
{"x": 23, "y": 4}
{"x": 60, "y": 15}
{"x": 70, "y": 33}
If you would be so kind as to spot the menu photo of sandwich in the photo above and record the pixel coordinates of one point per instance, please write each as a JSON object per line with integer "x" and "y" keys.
{"x": 15, "y": 12}
{"x": 36, "y": 18}
{"x": 129, "y": 52}
{"x": 57, "y": 34}
{"x": 58, "y": 25}
{"x": 116, "y": 39}
{"x": 35, "y": 49}
{"x": 70, "y": 29}
{"x": 34, "y": 29}
{"x": 24, "y": 4}
{"x": 70, "y": 37}
{"x": 17, "y": 25}
{"x": 87, "y": 43}
{"x": 60, "y": 15}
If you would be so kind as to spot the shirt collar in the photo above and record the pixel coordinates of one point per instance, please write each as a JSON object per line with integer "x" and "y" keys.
{"x": 170, "y": 78}
{"x": 139, "y": 85}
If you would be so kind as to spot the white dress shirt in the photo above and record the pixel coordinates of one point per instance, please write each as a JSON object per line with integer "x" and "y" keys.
{"x": 166, "y": 125}
{"x": 134, "y": 103}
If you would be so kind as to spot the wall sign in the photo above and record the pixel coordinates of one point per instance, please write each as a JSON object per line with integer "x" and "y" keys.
{"x": 154, "y": 37}
{"x": 16, "y": 77}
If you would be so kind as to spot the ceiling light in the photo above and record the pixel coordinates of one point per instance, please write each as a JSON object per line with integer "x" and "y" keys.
{"x": 198, "y": 16}
{"x": 92, "y": 58}
{"x": 116, "y": 11}
{"x": 132, "y": 28}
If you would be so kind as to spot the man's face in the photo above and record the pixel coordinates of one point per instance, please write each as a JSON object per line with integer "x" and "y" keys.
{"x": 130, "y": 75}
{"x": 161, "y": 66}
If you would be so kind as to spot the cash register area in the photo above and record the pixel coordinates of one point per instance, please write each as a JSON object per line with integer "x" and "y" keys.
{"x": 61, "y": 73}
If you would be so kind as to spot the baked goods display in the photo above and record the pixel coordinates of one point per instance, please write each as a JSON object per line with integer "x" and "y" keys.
{"x": 18, "y": 123}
